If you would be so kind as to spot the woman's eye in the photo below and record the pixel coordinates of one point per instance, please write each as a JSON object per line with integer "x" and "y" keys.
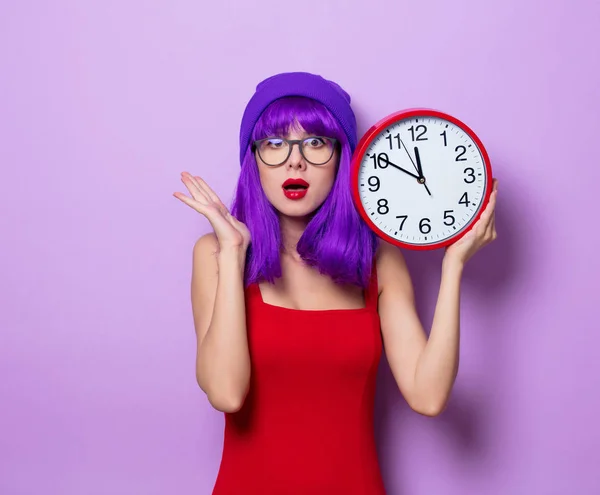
{"x": 314, "y": 142}
{"x": 274, "y": 143}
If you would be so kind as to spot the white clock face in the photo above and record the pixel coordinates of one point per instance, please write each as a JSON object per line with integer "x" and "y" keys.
{"x": 422, "y": 180}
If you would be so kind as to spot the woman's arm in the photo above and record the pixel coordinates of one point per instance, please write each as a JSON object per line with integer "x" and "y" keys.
{"x": 223, "y": 360}
{"x": 424, "y": 369}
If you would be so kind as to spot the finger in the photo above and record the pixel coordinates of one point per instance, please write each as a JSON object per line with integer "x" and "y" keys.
{"x": 197, "y": 193}
{"x": 211, "y": 194}
{"x": 488, "y": 213}
{"x": 489, "y": 229}
{"x": 191, "y": 202}
{"x": 216, "y": 219}
{"x": 195, "y": 183}
{"x": 493, "y": 228}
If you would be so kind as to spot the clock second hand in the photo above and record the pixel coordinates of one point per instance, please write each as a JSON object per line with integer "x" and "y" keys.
{"x": 421, "y": 177}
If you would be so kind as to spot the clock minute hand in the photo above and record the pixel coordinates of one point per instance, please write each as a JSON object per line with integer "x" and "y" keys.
{"x": 388, "y": 162}
{"x": 421, "y": 179}
{"x": 412, "y": 161}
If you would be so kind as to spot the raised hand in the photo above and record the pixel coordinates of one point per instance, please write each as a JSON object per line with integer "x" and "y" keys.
{"x": 230, "y": 232}
{"x": 482, "y": 233}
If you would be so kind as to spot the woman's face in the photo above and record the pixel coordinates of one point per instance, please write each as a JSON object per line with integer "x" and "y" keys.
{"x": 295, "y": 202}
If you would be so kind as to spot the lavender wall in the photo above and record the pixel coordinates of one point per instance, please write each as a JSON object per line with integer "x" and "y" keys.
{"x": 102, "y": 104}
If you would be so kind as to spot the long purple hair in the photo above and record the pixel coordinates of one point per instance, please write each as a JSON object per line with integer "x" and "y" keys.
{"x": 336, "y": 240}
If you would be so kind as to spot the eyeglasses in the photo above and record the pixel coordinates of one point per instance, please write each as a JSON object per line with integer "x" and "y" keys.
{"x": 316, "y": 150}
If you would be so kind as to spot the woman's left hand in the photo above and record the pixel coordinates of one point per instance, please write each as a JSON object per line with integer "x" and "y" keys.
{"x": 482, "y": 233}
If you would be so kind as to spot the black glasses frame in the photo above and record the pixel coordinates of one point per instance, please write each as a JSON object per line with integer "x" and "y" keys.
{"x": 291, "y": 143}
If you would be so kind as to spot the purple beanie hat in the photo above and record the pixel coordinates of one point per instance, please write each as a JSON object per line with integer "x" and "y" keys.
{"x": 330, "y": 94}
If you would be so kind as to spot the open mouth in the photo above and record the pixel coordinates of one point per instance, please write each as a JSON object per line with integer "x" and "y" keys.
{"x": 295, "y": 188}
{"x": 295, "y": 185}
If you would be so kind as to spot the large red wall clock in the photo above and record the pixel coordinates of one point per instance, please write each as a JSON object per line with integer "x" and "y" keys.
{"x": 420, "y": 178}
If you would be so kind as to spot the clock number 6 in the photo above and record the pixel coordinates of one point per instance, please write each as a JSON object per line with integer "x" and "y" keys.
{"x": 425, "y": 226}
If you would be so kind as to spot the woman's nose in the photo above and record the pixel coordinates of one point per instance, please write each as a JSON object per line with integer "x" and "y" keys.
{"x": 296, "y": 159}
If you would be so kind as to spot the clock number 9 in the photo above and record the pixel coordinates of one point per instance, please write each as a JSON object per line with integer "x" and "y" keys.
{"x": 382, "y": 206}
{"x": 375, "y": 185}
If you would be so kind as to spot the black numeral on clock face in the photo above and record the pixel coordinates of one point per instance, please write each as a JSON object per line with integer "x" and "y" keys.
{"x": 381, "y": 160}
{"x": 443, "y": 134}
{"x": 390, "y": 139}
{"x": 461, "y": 150}
{"x": 449, "y": 217}
{"x": 382, "y": 206}
{"x": 373, "y": 183}
{"x": 471, "y": 175}
{"x": 403, "y": 217}
{"x": 425, "y": 226}
{"x": 464, "y": 200}
{"x": 420, "y": 132}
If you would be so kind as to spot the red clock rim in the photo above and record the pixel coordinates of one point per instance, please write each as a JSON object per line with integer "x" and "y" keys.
{"x": 366, "y": 141}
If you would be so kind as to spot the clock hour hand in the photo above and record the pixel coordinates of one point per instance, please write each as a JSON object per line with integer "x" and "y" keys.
{"x": 418, "y": 158}
{"x": 420, "y": 170}
{"x": 383, "y": 158}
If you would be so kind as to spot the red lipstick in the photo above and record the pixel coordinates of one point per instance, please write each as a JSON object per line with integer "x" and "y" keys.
{"x": 295, "y": 188}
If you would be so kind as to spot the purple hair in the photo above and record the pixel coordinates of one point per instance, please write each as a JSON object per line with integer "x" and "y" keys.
{"x": 336, "y": 240}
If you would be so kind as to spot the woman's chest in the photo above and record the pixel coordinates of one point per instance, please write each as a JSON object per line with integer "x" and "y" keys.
{"x": 328, "y": 341}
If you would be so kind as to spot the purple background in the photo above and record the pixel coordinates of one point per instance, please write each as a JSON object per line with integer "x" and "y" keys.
{"x": 103, "y": 104}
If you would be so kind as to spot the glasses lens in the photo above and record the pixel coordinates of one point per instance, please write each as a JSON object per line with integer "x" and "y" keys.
{"x": 318, "y": 150}
{"x": 273, "y": 151}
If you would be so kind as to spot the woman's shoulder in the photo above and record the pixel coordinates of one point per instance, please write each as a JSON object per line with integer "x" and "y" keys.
{"x": 390, "y": 265}
{"x": 204, "y": 254}
{"x": 207, "y": 243}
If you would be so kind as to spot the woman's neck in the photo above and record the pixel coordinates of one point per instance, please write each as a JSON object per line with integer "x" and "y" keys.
{"x": 292, "y": 229}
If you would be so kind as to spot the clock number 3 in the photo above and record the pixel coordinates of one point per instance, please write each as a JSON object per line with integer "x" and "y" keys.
{"x": 471, "y": 175}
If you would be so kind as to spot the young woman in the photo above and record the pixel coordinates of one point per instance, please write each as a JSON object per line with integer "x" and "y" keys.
{"x": 294, "y": 299}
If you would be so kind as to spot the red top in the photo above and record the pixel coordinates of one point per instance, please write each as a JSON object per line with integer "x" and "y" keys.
{"x": 306, "y": 426}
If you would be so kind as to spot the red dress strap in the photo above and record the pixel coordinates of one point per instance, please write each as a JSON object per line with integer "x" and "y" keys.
{"x": 372, "y": 292}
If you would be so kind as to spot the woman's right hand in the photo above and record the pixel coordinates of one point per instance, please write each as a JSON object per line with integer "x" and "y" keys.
{"x": 230, "y": 232}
